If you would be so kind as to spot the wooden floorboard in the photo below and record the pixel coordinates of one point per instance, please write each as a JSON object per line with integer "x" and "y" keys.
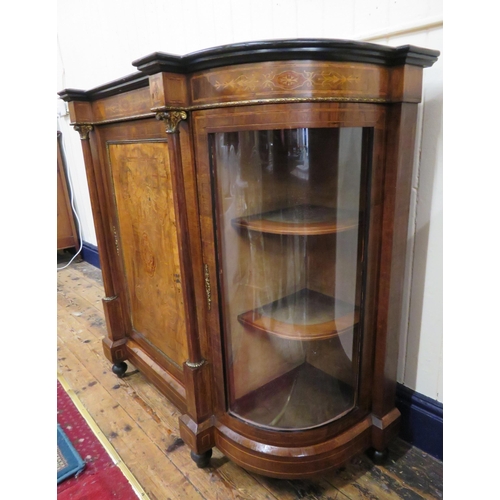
{"x": 142, "y": 425}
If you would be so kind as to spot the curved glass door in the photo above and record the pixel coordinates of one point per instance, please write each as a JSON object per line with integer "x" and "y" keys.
{"x": 291, "y": 226}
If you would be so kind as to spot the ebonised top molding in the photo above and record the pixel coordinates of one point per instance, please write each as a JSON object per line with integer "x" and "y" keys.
{"x": 262, "y": 51}
{"x": 130, "y": 82}
{"x": 283, "y": 50}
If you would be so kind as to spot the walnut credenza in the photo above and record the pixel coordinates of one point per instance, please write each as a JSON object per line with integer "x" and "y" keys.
{"x": 251, "y": 208}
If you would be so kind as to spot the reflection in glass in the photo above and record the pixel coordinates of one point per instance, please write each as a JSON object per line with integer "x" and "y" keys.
{"x": 290, "y": 231}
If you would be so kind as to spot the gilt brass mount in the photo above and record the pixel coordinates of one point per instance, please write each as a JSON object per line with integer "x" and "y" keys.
{"x": 171, "y": 119}
{"x": 192, "y": 364}
{"x": 208, "y": 288}
{"x": 83, "y": 130}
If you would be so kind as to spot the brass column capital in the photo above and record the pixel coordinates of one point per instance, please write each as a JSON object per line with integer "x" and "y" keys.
{"x": 83, "y": 130}
{"x": 171, "y": 119}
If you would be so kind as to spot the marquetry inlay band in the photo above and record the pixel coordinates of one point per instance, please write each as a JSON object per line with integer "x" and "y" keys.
{"x": 282, "y": 100}
{"x": 117, "y": 120}
{"x": 287, "y": 80}
{"x": 155, "y": 112}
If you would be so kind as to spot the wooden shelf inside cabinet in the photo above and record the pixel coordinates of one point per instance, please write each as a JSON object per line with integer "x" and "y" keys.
{"x": 303, "y": 397}
{"x": 301, "y": 220}
{"x": 304, "y": 315}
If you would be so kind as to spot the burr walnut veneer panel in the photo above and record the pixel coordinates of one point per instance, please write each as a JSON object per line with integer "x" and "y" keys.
{"x": 147, "y": 231}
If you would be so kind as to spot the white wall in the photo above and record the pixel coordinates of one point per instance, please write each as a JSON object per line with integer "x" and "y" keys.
{"x": 98, "y": 40}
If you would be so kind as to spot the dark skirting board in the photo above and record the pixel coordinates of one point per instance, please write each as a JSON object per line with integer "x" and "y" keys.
{"x": 421, "y": 421}
{"x": 90, "y": 254}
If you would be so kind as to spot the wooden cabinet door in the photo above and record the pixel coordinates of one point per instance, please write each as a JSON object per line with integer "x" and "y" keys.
{"x": 148, "y": 247}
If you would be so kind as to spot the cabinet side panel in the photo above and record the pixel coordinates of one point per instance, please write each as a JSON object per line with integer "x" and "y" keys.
{"x": 402, "y": 119}
{"x": 148, "y": 240}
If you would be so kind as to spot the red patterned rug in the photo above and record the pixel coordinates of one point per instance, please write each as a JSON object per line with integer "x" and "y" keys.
{"x": 101, "y": 479}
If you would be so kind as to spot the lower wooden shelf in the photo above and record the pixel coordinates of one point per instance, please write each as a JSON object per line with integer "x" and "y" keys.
{"x": 303, "y": 315}
{"x": 300, "y": 220}
{"x": 301, "y": 398}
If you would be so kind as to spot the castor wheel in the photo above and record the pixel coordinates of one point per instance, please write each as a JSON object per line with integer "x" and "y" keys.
{"x": 378, "y": 457}
{"x": 119, "y": 369}
{"x": 202, "y": 460}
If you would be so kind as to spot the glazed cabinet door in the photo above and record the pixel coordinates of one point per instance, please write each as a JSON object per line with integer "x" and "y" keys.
{"x": 292, "y": 203}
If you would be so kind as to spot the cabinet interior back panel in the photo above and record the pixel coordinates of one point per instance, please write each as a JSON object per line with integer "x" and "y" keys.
{"x": 147, "y": 231}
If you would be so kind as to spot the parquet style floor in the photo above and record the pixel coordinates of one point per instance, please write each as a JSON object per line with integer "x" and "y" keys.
{"x": 141, "y": 425}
